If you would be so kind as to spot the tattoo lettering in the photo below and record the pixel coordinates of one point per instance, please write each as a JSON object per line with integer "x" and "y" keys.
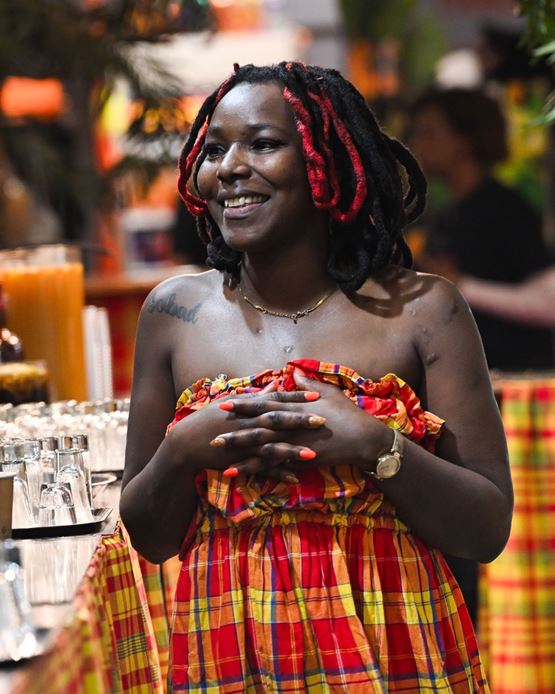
{"x": 168, "y": 306}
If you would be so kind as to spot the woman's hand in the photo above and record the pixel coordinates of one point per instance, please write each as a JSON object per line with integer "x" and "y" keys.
{"x": 257, "y": 420}
{"x": 278, "y": 437}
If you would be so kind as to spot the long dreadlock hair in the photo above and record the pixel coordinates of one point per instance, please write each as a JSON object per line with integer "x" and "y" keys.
{"x": 356, "y": 172}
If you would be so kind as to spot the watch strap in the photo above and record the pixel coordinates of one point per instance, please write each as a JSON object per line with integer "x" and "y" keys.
{"x": 398, "y": 445}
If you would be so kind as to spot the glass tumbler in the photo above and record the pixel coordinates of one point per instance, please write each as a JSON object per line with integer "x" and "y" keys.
{"x": 17, "y": 635}
{"x": 44, "y": 290}
{"x": 22, "y": 511}
{"x": 26, "y": 452}
{"x": 56, "y": 506}
{"x": 71, "y": 472}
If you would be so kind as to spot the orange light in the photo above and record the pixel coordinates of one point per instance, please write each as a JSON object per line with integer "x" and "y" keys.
{"x": 22, "y": 96}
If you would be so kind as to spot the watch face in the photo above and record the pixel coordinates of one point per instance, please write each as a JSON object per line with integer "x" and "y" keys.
{"x": 388, "y": 466}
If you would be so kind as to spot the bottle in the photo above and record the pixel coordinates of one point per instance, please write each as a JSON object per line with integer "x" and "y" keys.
{"x": 11, "y": 348}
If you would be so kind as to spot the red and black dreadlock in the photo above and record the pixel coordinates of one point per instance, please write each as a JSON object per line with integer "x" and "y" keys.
{"x": 353, "y": 168}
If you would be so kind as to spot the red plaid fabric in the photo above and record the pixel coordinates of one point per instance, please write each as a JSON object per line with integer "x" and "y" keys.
{"x": 319, "y": 586}
{"x": 517, "y": 623}
{"x": 160, "y": 581}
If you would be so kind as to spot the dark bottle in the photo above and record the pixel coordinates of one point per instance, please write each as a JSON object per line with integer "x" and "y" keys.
{"x": 11, "y": 348}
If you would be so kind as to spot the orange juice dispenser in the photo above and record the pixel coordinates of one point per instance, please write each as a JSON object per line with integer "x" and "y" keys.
{"x": 44, "y": 293}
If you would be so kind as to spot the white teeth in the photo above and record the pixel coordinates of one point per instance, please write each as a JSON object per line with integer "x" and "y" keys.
{"x": 243, "y": 200}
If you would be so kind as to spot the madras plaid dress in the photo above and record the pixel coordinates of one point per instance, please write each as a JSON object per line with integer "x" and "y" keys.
{"x": 317, "y": 586}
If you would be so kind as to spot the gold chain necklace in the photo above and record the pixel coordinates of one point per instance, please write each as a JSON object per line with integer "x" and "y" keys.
{"x": 292, "y": 316}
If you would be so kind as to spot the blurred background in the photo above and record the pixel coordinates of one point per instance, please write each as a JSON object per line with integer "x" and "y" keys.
{"x": 96, "y": 98}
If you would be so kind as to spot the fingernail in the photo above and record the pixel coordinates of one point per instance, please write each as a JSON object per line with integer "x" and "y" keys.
{"x": 226, "y": 406}
{"x": 311, "y": 395}
{"x": 291, "y": 479}
{"x": 231, "y": 472}
{"x": 218, "y": 442}
{"x": 307, "y": 454}
{"x": 315, "y": 420}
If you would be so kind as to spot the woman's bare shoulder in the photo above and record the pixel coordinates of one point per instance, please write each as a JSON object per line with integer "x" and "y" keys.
{"x": 439, "y": 294}
{"x": 189, "y": 282}
{"x": 182, "y": 296}
{"x": 410, "y": 292}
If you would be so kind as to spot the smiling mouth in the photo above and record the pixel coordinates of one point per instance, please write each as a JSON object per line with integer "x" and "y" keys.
{"x": 244, "y": 201}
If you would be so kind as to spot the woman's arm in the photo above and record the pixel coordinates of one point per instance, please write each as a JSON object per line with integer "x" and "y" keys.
{"x": 460, "y": 499}
{"x": 531, "y": 302}
{"x": 155, "y": 516}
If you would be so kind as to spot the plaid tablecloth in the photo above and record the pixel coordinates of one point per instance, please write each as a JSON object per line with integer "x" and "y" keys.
{"x": 111, "y": 643}
{"x": 517, "y": 620}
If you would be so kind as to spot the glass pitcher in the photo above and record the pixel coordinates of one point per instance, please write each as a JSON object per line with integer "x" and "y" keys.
{"x": 44, "y": 292}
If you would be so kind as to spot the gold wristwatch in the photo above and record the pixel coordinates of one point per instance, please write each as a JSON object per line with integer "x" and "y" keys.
{"x": 389, "y": 464}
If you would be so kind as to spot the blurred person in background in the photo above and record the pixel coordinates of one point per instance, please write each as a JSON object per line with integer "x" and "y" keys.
{"x": 23, "y": 219}
{"x": 531, "y": 302}
{"x": 487, "y": 230}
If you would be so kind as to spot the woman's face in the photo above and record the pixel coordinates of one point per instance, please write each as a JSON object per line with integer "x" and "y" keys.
{"x": 254, "y": 175}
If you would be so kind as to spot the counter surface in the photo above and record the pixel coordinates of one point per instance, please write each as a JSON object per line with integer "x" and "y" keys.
{"x": 54, "y": 568}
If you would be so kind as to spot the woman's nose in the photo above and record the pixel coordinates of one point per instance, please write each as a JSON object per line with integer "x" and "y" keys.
{"x": 234, "y": 164}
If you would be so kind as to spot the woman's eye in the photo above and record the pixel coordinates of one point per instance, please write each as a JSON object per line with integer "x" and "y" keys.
{"x": 213, "y": 151}
{"x": 265, "y": 145}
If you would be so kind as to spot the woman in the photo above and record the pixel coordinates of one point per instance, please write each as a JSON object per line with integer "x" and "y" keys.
{"x": 487, "y": 230}
{"x": 303, "y": 523}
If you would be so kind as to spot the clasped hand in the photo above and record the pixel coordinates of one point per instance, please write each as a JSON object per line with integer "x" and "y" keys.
{"x": 272, "y": 434}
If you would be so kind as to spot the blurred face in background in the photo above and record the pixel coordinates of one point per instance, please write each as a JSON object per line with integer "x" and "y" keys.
{"x": 435, "y": 144}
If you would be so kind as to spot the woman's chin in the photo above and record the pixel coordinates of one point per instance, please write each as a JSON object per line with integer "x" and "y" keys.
{"x": 245, "y": 241}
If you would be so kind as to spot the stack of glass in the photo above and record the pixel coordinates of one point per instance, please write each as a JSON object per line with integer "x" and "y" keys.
{"x": 103, "y": 422}
{"x": 52, "y": 450}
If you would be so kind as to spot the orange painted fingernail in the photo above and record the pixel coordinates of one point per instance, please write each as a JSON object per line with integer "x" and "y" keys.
{"x": 231, "y": 472}
{"x": 218, "y": 442}
{"x": 307, "y": 454}
{"x": 311, "y": 395}
{"x": 226, "y": 406}
{"x": 316, "y": 421}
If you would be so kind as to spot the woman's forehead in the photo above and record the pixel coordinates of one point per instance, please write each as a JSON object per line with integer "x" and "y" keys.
{"x": 252, "y": 105}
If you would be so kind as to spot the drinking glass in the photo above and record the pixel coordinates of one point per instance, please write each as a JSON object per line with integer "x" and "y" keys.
{"x": 56, "y": 506}
{"x": 48, "y": 446}
{"x": 26, "y": 452}
{"x": 29, "y": 452}
{"x": 81, "y": 443}
{"x": 54, "y": 567}
{"x": 71, "y": 471}
{"x": 17, "y": 635}
{"x": 22, "y": 512}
